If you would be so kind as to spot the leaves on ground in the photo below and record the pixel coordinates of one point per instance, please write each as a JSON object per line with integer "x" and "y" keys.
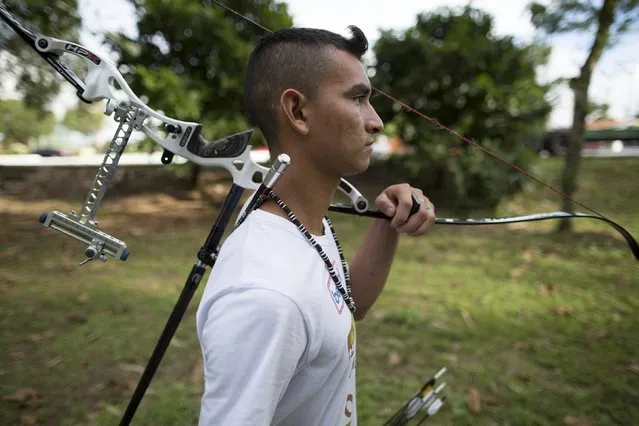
{"x": 473, "y": 400}
{"x": 577, "y": 421}
{"x": 133, "y": 368}
{"x": 22, "y": 395}
{"x": 394, "y": 359}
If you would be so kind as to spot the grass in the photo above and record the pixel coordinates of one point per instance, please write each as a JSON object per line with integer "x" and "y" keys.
{"x": 535, "y": 328}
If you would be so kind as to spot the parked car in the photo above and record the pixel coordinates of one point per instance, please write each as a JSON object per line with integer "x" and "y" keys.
{"x": 48, "y": 152}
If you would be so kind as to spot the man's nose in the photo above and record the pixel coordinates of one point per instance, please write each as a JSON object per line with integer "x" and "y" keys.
{"x": 374, "y": 124}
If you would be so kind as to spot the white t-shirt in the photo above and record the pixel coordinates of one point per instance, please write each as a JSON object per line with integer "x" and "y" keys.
{"x": 277, "y": 338}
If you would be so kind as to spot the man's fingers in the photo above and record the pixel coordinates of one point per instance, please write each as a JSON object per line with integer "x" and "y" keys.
{"x": 385, "y": 204}
{"x": 402, "y": 211}
{"x": 419, "y": 219}
{"x": 399, "y": 203}
{"x": 424, "y": 225}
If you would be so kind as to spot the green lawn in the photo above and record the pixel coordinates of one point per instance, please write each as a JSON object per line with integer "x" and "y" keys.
{"x": 535, "y": 328}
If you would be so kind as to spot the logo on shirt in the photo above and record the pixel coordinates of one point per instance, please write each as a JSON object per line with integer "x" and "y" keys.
{"x": 336, "y": 296}
{"x": 348, "y": 407}
{"x": 351, "y": 346}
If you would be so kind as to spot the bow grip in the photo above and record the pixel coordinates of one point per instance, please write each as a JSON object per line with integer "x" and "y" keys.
{"x": 415, "y": 207}
{"x": 229, "y": 147}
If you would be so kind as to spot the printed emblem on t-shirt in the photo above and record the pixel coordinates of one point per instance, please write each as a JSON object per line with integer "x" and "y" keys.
{"x": 351, "y": 339}
{"x": 348, "y": 408}
{"x": 351, "y": 346}
{"x": 336, "y": 296}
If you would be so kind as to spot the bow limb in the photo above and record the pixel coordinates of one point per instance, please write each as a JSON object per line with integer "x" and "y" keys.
{"x": 632, "y": 243}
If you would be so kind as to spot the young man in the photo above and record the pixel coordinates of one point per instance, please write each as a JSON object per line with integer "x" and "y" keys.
{"x": 276, "y": 321}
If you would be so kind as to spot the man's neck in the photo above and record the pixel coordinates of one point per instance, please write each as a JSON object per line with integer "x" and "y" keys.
{"x": 307, "y": 192}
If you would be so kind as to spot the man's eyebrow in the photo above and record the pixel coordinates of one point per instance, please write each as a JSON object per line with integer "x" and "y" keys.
{"x": 359, "y": 89}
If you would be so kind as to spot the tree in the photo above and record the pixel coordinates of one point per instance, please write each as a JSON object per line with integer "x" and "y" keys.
{"x": 36, "y": 81}
{"x": 609, "y": 19}
{"x": 597, "y": 111}
{"x": 21, "y": 124}
{"x": 85, "y": 118}
{"x": 189, "y": 59}
{"x": 452, "y": 67}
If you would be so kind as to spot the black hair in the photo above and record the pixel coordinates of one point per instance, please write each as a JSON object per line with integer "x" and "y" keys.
{"x": 290, "y": 58}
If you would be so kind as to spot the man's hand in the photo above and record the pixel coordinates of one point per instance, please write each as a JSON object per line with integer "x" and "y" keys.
{"x": 396, "y": 202}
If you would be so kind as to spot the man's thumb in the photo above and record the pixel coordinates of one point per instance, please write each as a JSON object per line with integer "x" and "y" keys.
{"x": 387, "y": 208}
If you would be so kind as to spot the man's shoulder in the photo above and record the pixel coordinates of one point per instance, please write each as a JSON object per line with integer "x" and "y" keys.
{"x": 263, "y": 246}
{"x": 264, "y": 253}
{"x": 259, "y": 301}
{"x": 264, "y": 234}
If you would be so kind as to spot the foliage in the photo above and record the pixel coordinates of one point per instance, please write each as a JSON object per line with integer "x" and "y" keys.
{"x": 597, "y": 111}
{"x": 36, "y": 80}
{"x": 451, "y": 66}
{"x": 84, "y": 118}
{"x": 566, "y": 16}
{"x": 21, "y": 124}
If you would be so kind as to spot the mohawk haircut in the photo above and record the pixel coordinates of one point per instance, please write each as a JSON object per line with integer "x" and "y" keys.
{"x": 293, "y": 58}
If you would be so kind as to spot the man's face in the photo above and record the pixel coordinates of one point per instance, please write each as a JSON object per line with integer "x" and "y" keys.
{"x": 342, "y": 121}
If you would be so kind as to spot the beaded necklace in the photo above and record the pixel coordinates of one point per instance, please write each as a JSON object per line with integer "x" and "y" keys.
{"x": 345, "y": 290}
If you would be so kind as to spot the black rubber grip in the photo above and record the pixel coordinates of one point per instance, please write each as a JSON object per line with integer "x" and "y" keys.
{"x": 415, "y": 208}
{"x": 228, "y": 147}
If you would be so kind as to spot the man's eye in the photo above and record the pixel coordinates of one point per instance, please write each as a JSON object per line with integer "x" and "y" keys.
{"x": 359, "y": 99}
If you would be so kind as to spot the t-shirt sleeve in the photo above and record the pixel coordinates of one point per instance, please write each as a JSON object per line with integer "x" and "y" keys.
{"x": 252, "y": 341}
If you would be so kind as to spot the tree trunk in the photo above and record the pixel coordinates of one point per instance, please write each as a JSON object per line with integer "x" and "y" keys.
{"x": 580, "y": 86}
{"x": 194, "y": 174}
{"x": 572, "y": 158}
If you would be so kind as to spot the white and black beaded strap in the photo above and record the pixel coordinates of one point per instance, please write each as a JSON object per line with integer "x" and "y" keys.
{"x": 347, "y": 274}
{"x": 345, "y": 291}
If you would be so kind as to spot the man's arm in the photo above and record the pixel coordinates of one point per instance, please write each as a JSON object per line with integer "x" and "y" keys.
{"x": 371, "y": 264}
{"x": 253, "y": 341}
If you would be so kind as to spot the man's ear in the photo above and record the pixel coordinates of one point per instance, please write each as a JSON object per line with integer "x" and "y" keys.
{"x": 293, "y": 105}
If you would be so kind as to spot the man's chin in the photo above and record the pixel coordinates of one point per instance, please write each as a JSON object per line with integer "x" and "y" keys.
{"x": 359, "y": 168}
